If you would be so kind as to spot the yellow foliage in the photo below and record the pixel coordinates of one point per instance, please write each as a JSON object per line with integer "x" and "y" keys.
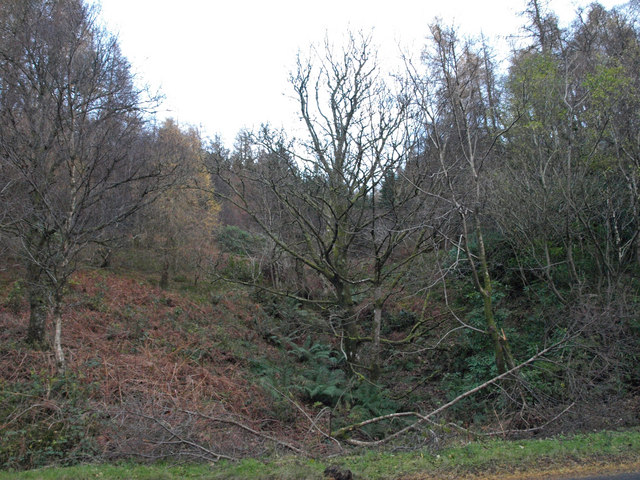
{"x": 179, "y": 225}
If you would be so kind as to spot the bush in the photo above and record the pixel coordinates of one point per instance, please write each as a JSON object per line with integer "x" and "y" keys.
{"x": 46, "y": 421}
{"x": 232, "y": 239}
{"x": 240, "y": 269}
{"x": 322, "y": 382}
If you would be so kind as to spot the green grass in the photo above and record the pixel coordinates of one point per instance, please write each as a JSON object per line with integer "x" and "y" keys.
{"x": 478, "y": 457}
{"x": 123, "y": 471}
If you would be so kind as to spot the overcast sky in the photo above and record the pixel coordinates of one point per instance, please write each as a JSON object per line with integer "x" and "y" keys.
{"x": 224, "y": 65}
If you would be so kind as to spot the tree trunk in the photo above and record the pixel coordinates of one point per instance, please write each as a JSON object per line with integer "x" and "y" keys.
{"x": 347, "y": 321}
{"x": 377, "y": 327}
{"x": 164, "y": 275}
{"x": 502, "y": 350}
{"x": 106, "y": 258}
{"x": 498, "y": 349}
{"x": 38, "y": 304}
{"x": 57, "y": 339}
{"x": 637, "y": 242}
{"x": 350, "y": 332}
{"x": 375, "y": 363}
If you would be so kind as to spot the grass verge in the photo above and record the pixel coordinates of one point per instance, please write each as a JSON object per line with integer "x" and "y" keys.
{"x": 560, "y": 456}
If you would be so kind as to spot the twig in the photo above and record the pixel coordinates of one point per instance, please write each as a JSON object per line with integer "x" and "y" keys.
{"x": 216, "y": 456}
{"x": 314, "y": 423}
{"x": 16, "y": 416}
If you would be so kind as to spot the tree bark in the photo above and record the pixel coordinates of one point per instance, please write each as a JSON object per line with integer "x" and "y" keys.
{"x": 164, "y": 275}
{"x": 377, "y": 327}
{"x": 38, "y": 304}
{"x": 61, "y": 365}
{"x": 502, "y": 350}
{"x": 347, "y": 322}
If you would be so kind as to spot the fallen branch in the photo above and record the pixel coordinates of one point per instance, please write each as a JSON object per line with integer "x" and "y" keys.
{"x": 531, "y": 429}
{"x": 246, "y": 428}
{"x": 314, "y": 423}
{"x": 180, "y": 440}
{"x": 424, "y": 418}
{"x": 496, "y": 433}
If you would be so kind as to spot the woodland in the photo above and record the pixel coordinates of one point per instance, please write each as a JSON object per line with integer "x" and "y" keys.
{"x": 452, "y": 251}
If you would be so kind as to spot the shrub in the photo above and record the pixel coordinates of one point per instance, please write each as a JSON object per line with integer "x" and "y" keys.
{"x": 240, "y": 269}
{"x": 232, "y": 239}
{"x": 322, "y": 382}
{"x": 46, "y": 421}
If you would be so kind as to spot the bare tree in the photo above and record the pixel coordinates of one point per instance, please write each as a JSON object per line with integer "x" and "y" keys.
{"x": 573, "y": 158}
{"x": 458, "y": 101}
{"x": 321, "y": 200}
{"x": 71, "y": 144}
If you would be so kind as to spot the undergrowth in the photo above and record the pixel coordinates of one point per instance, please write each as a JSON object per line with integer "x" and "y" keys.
{"x": 315, "y": 373}
{"x": 142, "y": 358}
{"x": 133, "y": 350}
{"x": 47, "y": 420}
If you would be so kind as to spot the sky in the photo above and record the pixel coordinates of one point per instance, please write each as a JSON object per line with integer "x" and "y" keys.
{"x": 223, "y": 65}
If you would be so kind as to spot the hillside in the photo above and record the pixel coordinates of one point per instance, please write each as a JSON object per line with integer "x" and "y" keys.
{"x": 215, "y": 372}
{"x": 445, "y": 254}
{"x": 139, "y": 359}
